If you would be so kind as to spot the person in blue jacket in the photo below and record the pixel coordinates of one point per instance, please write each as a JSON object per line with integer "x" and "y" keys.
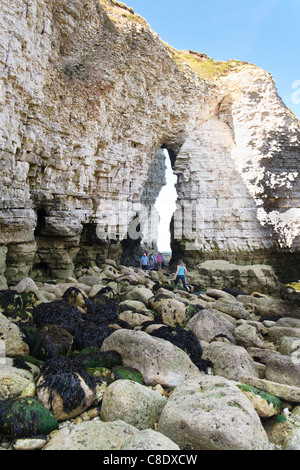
{"x": 144, "y": 262}
{"x": 180, "y": 275}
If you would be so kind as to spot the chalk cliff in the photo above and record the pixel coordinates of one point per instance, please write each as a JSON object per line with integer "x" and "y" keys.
{"x": 89, "y": 94}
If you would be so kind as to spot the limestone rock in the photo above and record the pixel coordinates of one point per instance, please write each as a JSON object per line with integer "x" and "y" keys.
{"x": 223, "y": 356}
{"x": 246, "y": 335}
{"x": 13, "y": 381}
{"x": 287, "y": 393}
{"x": 133, "y": 403}
{"x": 207, "y": 327}
{"x": 210, "y": 413}
{"x": 92, "y": 435}
{"x": 292, "y": 440}
{"x": 158, "y": 360}
{"x": 172, "y": 311}
{"x": 12, "y": 337}
{"x": 266, "y": 405}
{"x": 233, "y": 309}
{"x": 140, "y": 294}
{"x": 150, "y": 440}
{"x": 283, "y": 369}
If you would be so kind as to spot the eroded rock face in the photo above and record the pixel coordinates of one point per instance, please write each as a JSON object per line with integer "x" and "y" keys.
{"x": 88, "y": 95}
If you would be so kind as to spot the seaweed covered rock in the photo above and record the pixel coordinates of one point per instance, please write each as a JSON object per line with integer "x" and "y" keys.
{"x": 265, "y": 404}
{"x": 65, "y": 387}
{"x": 127, "y": 373}
{"x": 25, "y": 417}
{"x": 92, "y": 357}
{"x": 75, "y": 296}
{"x": 52, "y": 341}
{"x": 88, "y": 334}
{"x": 104, "y": 306}
{"x": 185, "y": 340}
{"x": 88, "y": 328}
{"x": 58, "y": 312}
{"x": 17, "y": 306}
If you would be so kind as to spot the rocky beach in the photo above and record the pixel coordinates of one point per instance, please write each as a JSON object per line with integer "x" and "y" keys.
{"x": 115, "y": 359}
{"x": 96, "y": 353}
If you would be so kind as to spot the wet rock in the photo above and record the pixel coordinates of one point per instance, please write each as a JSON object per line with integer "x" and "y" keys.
{"x": 92, "y": 357}
{"x": 265, "y": 404}
{"x": 25, "y": 417}
{"x": 127, "y": 373}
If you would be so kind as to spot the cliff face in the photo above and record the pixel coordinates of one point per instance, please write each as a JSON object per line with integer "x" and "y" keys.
{"x": 88, "y": 96}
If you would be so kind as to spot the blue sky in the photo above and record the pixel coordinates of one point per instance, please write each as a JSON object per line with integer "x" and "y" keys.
{"x": 262, "y": 32}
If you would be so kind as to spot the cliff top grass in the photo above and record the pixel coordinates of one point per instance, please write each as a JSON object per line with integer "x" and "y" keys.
{"x": 204, "y": 66}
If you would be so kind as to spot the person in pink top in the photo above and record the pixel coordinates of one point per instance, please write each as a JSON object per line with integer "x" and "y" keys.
{"x": 159, "y": 260}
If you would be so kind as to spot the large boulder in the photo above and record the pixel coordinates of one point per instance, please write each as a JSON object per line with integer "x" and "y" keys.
{"x": 284, "y": 370}
{"x": 172, "y": 311}
{"x": 25, "y": 417}
{"x": 230, "y": 361}
{"x": 92, "y": 435}
{"x": 65, "y": 388}
{"x": 12, "y": 337}
{"x": 208, "y": 326}
{"x": 133, "y": 403}
{"x": 159, "y": 361}
{"x": 13, "y": 381}
{"x": 211, "y": 413}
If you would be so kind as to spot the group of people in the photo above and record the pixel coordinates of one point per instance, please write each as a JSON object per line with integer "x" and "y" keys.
{"x": 152, "y": 261}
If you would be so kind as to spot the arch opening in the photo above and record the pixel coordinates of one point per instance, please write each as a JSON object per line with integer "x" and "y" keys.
{"x": 166, "y": 204}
